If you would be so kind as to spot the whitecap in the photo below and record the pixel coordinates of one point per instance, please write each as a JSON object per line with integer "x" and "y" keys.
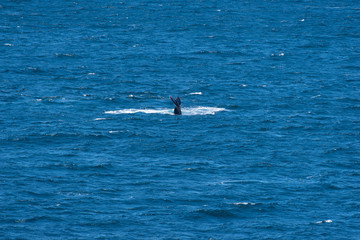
{"x": 196, "y": 93}
{"x": 244, "y": 203}
{"x": 98, "y": 119}
{"x": 185, "y": 111}
{"x": 325, "y": 221}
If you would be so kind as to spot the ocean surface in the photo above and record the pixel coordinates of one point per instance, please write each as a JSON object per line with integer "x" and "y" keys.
{"x": 268, "y": 146}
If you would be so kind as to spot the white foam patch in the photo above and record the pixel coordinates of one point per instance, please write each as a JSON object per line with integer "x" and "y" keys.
{"x": 196, "y": 93}
{"x": 325, "y": 221}
{"x": 185, "y": 111}
{"x": 132, "y": 111}
{"x": 244, "y": 203}
{"x": 99, "y": 119}
{"x": 202, "y": 110}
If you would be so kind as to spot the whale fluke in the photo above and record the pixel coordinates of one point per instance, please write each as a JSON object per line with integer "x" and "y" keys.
{"x": 177, "y": 102}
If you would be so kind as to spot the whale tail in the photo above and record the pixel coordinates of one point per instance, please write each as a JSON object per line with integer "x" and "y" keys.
{"x": 177, "y": 102}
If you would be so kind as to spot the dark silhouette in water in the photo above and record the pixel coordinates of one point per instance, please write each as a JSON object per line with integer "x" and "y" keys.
{"x": 177, "y": 102}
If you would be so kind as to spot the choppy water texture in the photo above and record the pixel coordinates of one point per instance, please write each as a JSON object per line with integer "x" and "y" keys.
{"x": 267, "y": 148}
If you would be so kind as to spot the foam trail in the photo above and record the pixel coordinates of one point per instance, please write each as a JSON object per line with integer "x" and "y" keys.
{"x": 132, "y": 111}
{"x": 185, "y": 111}
{"x": 201, "y": 110}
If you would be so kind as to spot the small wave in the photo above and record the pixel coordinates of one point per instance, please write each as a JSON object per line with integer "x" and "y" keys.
{"x": 218, "y": 213}
{"x": 196, "y": 93}
{"x": 99, "y": 119}
{"x": 244, "y": 203}
{"x": 66, "y": 55}
{"x": 114, "y": 131}
{"x": 324, "y": 221}
{"x": 185, "y": 111}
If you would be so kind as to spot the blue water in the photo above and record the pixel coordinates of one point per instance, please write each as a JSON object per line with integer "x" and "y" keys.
{"x": 268, "y": 146}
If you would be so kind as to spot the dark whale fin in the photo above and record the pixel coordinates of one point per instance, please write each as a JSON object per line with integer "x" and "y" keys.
{"x": 177, "y": 102}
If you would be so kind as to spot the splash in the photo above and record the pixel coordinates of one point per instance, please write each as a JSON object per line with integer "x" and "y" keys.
{"x": 201, "y": 110}
{"x": 185, "y": 111}
{"x": 132, "y": 111}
